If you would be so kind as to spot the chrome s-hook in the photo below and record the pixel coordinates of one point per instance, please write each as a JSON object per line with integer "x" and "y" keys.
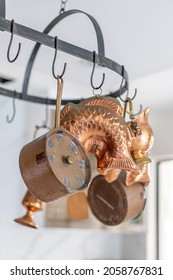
{"x": 92, "y": 74}
{"x": 9, "y": 120}
{"x": 10, "y": 43}
{"x": 54, "y": 59}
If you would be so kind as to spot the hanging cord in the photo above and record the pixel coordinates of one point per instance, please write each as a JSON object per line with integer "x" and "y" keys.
{"x": 10, "y": 43}
{"x": 63, "y": 6}
{"x": 9, "y": 120}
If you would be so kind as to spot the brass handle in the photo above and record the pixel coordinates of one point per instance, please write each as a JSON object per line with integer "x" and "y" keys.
{"x": 58, "y": 101}
{"x": 129, "y": 101}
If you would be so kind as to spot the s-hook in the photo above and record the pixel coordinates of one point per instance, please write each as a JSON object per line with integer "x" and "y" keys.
{"x": 44, "y": 125}
{"x": 92, "y": 74}
{"x": 121, "y": 85}
{"x": 10, "y": 43}
{"x": 126, "y": 100}
{"x": 14, "y": 111}
{"x": 140, "y": 108}
{"x": 54, "y": 59}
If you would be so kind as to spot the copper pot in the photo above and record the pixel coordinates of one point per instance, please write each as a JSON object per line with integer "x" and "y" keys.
{"x": 114, "y": 203}
{"x": 56, "y": 163}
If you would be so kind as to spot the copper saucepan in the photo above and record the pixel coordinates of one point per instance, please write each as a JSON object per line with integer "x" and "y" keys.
{"x": 114, "y": 203}
{"x": 56, "y": 163}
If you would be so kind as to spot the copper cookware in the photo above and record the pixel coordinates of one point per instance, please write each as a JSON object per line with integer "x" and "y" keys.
{"x": 32, "y": 204}
{"x": 114, "y": 203}
{"x": 77, "y": 207}
{"x": 99, "y": 125}
{"x": 55, "y": 164}
{"x": 141, "y": 133}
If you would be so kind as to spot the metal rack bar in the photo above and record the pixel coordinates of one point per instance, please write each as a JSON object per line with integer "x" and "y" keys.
{"x": 48, "y": 101}
{"x": 2, "y": 8}
{"x": 47, "y": 40}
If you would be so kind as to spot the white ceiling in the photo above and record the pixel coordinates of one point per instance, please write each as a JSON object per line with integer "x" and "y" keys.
{"x": 138, "y": 34}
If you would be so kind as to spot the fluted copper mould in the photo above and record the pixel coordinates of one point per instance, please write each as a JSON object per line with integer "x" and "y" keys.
{"x": 32, "y": 204}
{"x": 114, "y": 203}
{"x": 143, "y": 177}
{"x": 99, "y": 125}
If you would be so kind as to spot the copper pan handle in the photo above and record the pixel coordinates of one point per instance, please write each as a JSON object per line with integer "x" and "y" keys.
{"x": 58, "y": 101}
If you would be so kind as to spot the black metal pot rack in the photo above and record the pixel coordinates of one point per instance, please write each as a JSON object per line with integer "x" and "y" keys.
{"x": 42, "y": 38}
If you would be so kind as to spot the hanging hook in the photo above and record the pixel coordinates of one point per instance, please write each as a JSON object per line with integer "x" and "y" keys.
{"x": 44, "y": 125}
{"x": 121, "y": 85}
{"x": 127, "y": 100}
{"x": 136, "y": 114}
{"x": 92, "y": 73}
{"x": 54, "y": 59}
{"x": 140, "y": 108}
{"x": 9, "y": 46}
{"x": 14, "y": 110}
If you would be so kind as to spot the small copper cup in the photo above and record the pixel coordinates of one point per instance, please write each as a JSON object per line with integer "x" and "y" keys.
{"x": 32, "y": 204}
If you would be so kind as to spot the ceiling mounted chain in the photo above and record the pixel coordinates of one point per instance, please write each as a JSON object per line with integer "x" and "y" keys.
{"x": 63, "y": 6}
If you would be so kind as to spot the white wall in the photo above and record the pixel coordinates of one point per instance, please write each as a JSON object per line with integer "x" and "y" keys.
{"x": 163, "y": 133}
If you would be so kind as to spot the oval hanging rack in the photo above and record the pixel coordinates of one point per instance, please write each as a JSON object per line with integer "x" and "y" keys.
{"x": 42, "y": 38}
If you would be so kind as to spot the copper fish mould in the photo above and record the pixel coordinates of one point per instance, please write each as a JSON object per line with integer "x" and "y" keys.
{"x": 99, "y": 124}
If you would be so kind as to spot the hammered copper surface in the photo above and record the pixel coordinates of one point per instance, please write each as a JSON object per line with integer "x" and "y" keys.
{"x": 56, "y": 163}
{"x": 114, "y": 203}
{"x": 99, "y": 125}
{"x": 32, "y": 204}
{"x": 45, "y": 170}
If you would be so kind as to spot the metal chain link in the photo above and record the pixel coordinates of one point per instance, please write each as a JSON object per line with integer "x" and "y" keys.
{"x": 63, "y": 5}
